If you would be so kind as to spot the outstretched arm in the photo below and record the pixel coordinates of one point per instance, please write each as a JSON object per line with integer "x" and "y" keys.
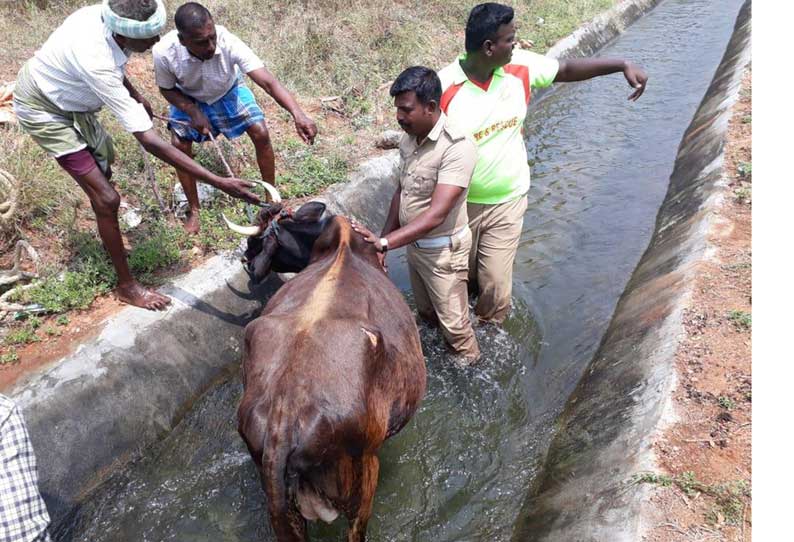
{"x": 580, "y": 69}
{"x": 305, "y": 126}
{"x": 171, "y": 155}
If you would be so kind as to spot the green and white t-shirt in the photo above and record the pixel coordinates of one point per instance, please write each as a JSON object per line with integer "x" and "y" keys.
{"x": 493, "y": 114}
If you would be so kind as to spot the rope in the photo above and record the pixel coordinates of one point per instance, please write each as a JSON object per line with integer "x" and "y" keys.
{"x": 10, "y": 186}
{"x": 147, "y": 167}
{"x": 212, "y": 138}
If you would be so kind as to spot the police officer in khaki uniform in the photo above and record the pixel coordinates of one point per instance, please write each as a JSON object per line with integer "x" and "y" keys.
{"x": 428, "y": 209}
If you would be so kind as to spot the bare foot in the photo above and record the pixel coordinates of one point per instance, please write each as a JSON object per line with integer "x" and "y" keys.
{"x": 135, "y": 294}
{"x": 192, "y": 225}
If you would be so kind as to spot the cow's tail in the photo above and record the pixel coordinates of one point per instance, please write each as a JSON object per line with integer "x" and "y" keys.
{"x": 279, "y": 484}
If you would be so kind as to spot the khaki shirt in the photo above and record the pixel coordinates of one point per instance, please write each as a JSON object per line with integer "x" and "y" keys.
{"x": 446, "y": 156}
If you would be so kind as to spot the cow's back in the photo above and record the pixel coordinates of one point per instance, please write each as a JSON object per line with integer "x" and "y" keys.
{"x": 338, "y": 340}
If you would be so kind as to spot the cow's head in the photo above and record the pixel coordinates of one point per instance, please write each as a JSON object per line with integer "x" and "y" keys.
{"x": 281, "y": 241}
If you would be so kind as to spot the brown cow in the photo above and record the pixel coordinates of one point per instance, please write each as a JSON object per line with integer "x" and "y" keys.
{"x": 331, "y": 369}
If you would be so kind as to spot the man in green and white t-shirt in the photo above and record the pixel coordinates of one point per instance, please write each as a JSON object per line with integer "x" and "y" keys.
{"x": 486, "y": 92}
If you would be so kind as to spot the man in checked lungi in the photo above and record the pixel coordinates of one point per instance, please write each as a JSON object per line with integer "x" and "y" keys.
{"x": 199, "y": 68}
{"x": 79, "y": 69}
{"x": 23, "y": 514}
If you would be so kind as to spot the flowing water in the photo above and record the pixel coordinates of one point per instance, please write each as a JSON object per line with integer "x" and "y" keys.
{"x": 463, "y": 466}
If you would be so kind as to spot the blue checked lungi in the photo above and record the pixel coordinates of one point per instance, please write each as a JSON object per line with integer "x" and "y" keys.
{"x": 230, "y": 116}
{"x": 23, "y": 514}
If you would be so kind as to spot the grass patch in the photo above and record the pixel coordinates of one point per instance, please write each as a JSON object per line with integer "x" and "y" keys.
{"x": 728, "y": 497}
{"x": 70, "y": 290}
{"x": 90, "y": 259}
{"x": 34, "y": 322}
{"x": 214, "y": 235}
{"x": 726, "y": 402}
{"x": 161, "y": 248}
{"x": 741, "y": 319}
{"x": 9, "y": 357}
{"x": 743, "y": 194}
{"x": 22, "y": 335}
{"x": 744, "y": 169}
{"x": 90, "y": 274}
{"x": 311, "y": 173}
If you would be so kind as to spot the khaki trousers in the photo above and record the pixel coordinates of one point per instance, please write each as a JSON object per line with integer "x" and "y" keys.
{"x": 439, "y": 278}
{"x": 496, "y": 230}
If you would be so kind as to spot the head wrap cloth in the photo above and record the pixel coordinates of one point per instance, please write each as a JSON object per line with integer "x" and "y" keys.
{"x": 131, "y": 28}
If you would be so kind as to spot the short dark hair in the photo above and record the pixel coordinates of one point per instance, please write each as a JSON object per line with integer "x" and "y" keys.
{"x": 191, "y": 16}
{"x": 423, "y": 81}
{"x": 484, "y": 22}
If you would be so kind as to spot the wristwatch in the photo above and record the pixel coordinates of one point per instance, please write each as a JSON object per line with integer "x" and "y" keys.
{"x": 384, "y": 244}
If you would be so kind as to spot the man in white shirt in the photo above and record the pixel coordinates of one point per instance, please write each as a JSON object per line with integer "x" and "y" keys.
{"x": 79, "y": 69}
{"x": 199, "y": 68}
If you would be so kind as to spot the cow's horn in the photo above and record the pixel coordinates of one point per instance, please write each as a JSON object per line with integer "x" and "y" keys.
{"x": 275, "y": 197}
{"x": 242, "y": 230}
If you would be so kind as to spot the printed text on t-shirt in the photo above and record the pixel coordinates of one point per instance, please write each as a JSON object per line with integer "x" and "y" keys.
{"x": 496, "y": 127}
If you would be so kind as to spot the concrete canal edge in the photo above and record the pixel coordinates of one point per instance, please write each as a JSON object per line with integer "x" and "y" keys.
{"x": 96, "y": 409}
{"x": 605, "y": 434}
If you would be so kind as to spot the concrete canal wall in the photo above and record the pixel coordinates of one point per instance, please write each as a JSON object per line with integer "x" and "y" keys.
{"x": 605, "y": 434}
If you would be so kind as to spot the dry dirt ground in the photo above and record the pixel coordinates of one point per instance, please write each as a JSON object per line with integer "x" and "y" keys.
{"x": 707, "y": 449}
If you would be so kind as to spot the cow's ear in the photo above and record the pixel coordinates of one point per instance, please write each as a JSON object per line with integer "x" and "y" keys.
{"x": 309, "y": 212}
{"x": 262, "y": 262}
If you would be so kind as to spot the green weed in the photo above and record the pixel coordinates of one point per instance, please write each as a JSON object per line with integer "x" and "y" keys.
{"x": 160, "y": 249}
{"x": 214, "y": 235}
{"x": 62, "y": 320}
{"x": 70, "y": 290}
{"x": 22, "y": 335}
{"x": 310, "y": 174}
{"x": 742, "y": 320}
{"x": 728, "y": 497}
{"x": 744, "y": 169}
{"x": 9, "y": 357}
{"x": 743, "y": 194}
{"x": 729, "y": 502}
{"x": 653, "y": 478}
{"x": 91, "y": 259}
{"x": 726, "y": 402}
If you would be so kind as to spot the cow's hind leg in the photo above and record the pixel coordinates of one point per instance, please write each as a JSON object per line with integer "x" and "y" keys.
{"x": 369, "y": 482}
